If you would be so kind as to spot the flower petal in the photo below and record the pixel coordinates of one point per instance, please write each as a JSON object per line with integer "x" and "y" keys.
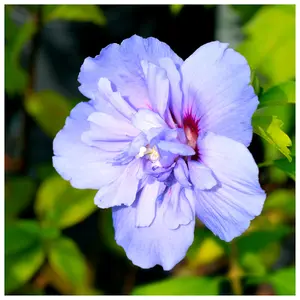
{"x": 158, "y": 87}
{"x": 82, "y": 165}
{"x": 201, "y": 176}
{"x": 121, "y": 65}
{"x": 123, "y": 190}
{"x": 146, "y": 203}
{"x": 181, "y": 173}
{"x": 178, "y": 210}
{"x": 228, "y": 209}
{"x": 176, "y": 148}
{"x": 156, "y": 244}
{"x": 145, "y": 120}
{"x": 175, "y": 88}
{"x": 115, "y": 98}
{"x": 216, "y": 87}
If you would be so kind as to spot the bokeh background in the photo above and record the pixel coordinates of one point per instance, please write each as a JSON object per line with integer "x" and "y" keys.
{"x": 56, "y": 240}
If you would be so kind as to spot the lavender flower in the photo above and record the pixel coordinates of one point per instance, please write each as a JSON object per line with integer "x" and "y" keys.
{"x": 164, "y": 140}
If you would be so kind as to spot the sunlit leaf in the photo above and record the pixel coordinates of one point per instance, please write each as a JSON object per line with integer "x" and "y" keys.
{"x": 279, "y": 95}
{"x": 269, "y": 128}
{"x": 18, "y": 194}
{"x": 78, "y": 13}
{"x": 49, "y": 110}
{"x": 20, "y": 267}
{"x": 270, "y": 45}
{"x": 205, "y": 249}
{"x": 288, "y": 167}
{"x": 66, "y": 260}
{"x": 208, "y": 251}
{"x": 61, "y": 205}
{"x": 176, "y": 9}
{"x": 284, "y": 281}
{"x": 181, "y": 286}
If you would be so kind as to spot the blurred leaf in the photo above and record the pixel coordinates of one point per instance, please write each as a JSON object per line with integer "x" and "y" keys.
{"x": 279, "y": 95}
{"x": 15, "y": 76}
{"x": 47, "y": 106}
{"x": 246, "y": 12}
{"x": 20, "y": 267}
{"x": 44, "y": 170}
{"x": 288, "y": 167}
{"x": 78, "y": 13}
{"x": 270, "y": 254}
{"x": 204, "y": 239}
{"x": 208, "y": 251}
{"x": 270, "y": 45}
{"x": 253, "y": 264}
{"x": 10, "y": 26}
{"x": 107, "y": 232}
{"x": 269, "y": 128}
{"x": 281, "y": 199}
{"x": 59, "y": 204}
{"x": 24, "y": 234}
{"x": 21, "y": 235}
{"x": 283, "y": 281}
{"x": 19, "y": 192}
{"x": 68, "y": 262}
{"x": 181, "y": 286}
{"x": 176, "y": 9}
{"x": 257, "y": 240}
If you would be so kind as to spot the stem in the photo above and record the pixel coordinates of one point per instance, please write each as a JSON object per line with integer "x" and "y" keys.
{"x": 235, "y": 273}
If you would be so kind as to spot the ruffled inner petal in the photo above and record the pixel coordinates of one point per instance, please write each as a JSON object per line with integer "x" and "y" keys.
{"x": 77, "y": 162}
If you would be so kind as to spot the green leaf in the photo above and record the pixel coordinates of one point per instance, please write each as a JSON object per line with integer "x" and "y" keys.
{"x": 20, "y": 267}
{"x": 68, "y": 262}
{"x": 270, "y": 45}
{"x": 181, "y": 286}
{"x": 78, "y": 13}
{"x": 281, "y": 199}
{"x": 49, "y": 109}
{"x": 176, "y": 9}
{"x": 23, "y": 252}
{"x": 255, "y": 83}
{"x": 279, "y": 95}
{"x": 253, "y": 264}
{"x": 255, "y": 241}
{"x": 58, "y": 204}
{"x": 15, "y": 77}
{"x": 21, "y": 235}
{"x": 269, "y": 128}
{"x": 284, "y": 281}
{"x": 288, "y": 167}
{"x": 19, "y": 192}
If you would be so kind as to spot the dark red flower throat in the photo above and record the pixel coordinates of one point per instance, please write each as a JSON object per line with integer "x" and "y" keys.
{"x": 192, "y": 130}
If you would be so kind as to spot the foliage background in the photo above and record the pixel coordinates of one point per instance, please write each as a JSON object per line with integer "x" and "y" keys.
{"x": 56, "y": 240}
